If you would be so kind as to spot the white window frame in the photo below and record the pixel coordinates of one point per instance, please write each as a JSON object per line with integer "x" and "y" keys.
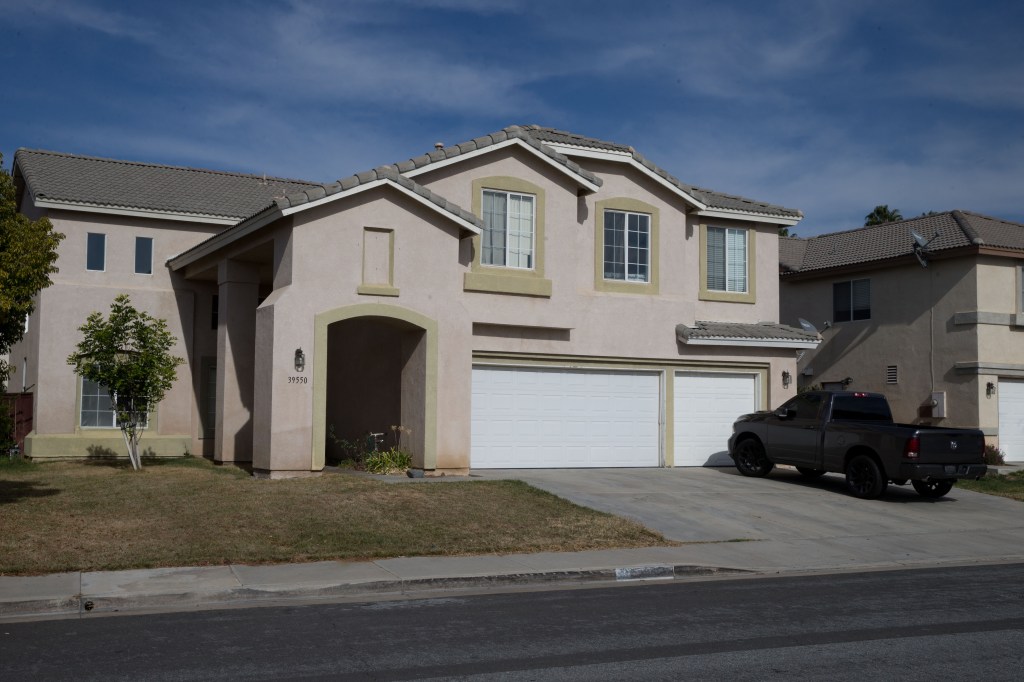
{"x": 514, "y": 255}
{"x": 151, "y": 244}
{"x": 102, "y": 395}
{"x": 736, "y": 275}
{"x": 630, "y": 253}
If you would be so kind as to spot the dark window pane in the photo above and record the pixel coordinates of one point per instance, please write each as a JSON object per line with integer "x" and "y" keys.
{"x": 95, "y": 254}
{"x": 841, "y": 302}
{"x": 144, "y": 255}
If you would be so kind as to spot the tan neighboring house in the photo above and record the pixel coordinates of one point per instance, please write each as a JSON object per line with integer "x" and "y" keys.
{"x": 530, "y": 298}
{"x": 929, "y": 311}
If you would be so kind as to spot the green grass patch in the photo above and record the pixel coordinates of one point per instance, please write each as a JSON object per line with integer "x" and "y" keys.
{"x": 72, "y": 516}
{"x": 1010, "y": 485}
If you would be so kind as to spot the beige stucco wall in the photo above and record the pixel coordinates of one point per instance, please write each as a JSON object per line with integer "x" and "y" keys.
{"x": 925, "y": 322}
{"x": 74, "y": 294}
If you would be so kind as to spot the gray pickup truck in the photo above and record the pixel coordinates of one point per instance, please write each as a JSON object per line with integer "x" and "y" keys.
{"x": 854, "y": 434}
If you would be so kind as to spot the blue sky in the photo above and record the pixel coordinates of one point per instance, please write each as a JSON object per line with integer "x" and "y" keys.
{"x": 827, "y": 106}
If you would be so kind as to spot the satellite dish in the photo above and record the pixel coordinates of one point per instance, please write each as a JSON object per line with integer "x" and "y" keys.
{"x": 808, "y": 327}
{"x": 921, "y": 247}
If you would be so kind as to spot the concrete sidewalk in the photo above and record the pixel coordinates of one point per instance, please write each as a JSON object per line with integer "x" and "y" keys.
{"x": 729, "y": 526}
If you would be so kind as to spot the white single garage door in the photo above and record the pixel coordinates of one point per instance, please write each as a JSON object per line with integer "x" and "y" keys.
{"x": 1011, "y": 419}
{"x": 706, "y": 405}
{"x": 532, "y": 418}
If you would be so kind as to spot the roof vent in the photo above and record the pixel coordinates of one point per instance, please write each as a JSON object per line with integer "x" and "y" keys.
{"x": 439, "y": 145}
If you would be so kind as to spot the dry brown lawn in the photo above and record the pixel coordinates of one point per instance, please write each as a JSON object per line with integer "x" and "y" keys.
{"x": 71, "y": 516}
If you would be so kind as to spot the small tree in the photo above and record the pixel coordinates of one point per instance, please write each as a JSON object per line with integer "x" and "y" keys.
{"x": 28, "y": 253}
{"x": 129, "y": 354}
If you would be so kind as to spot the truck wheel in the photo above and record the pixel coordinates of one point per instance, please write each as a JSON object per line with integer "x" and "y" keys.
{"x": 932, "y": 489}
{"x": 751, "y": 460}
{"x": 864, "y": 479}
{"x": 807, "y": 472}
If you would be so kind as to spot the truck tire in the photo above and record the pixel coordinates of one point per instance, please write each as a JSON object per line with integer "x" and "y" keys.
{"x": 864, "y": 479}
{"x": 808, "y": 472}
{"x": 751, "y": 460}
{"x": 932, "y": 489}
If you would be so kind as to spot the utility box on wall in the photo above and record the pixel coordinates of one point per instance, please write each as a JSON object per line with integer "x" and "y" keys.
{"x": 939, "y": 404}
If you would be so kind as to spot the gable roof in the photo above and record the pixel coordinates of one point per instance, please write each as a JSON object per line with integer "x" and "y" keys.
{"x": 708, "y": 201}
{"x": 317, "y": 195}
{"x": 58, "y": 180}
{"x": 504, "y": 137}
{"x": 955, "y": 229}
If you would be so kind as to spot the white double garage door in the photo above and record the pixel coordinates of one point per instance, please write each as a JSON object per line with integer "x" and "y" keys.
{"x": 533, "y": 417}
{"x": 1011, "y": 419}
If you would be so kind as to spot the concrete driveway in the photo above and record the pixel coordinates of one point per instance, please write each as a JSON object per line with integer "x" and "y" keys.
{"x": 795, "y": 523}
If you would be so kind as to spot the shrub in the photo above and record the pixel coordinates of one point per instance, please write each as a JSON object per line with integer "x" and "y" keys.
{"x": 994, "y": 455}
{"x": 388, "y": 461}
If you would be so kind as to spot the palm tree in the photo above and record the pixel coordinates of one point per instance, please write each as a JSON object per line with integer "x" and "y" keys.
{"x": 882, "y": 214}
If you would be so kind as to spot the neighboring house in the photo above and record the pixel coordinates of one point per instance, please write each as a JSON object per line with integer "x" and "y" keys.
{"x": 943, "y": 342}
{"x": 531, "y": 298}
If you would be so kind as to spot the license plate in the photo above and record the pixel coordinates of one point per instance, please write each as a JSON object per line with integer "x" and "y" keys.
{"x": 950, "y": 468}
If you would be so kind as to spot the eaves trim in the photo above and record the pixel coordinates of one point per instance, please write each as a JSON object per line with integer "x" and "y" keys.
{"x": 273, "y": 213}
{"x": 134, "y": 212}
{"x": 580, "y": 180}
{"x": 750, "y": 343}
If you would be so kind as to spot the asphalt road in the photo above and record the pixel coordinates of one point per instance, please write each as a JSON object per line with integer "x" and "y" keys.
{"x": 925, "y": 624}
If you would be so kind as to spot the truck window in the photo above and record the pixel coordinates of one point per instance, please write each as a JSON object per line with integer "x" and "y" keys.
{"x": 806, "y": 406}
{"x": 860, "y": 409}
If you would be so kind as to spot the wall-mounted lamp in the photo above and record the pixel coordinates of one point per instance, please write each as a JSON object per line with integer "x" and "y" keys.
{"x": 787, "y": 378}
{"x": 847, "y": 381}
{"x": 990, "y": 389}
{"x": 300, "y": 360}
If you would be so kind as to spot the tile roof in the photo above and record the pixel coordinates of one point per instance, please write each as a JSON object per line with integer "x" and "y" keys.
{"x": 732, "y": 331}
{"x": 511, "y": 132}
{"x": 94, "y": 181}
{"x": 955, "y": 229}
{"x": 317, "y": 192}
{"x": 708, "y": 197}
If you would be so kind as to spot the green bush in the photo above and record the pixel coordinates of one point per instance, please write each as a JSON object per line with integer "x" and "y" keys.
{"x": 388, "y": 461}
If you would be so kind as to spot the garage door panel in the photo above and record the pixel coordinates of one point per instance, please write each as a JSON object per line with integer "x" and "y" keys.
{"x": 565, "y": 418}
{"x": 1011, "y": 419}
{"x": 706, "y": 405}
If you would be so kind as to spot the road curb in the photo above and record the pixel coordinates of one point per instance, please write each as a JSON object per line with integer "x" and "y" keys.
{"x": 84, "y": 605}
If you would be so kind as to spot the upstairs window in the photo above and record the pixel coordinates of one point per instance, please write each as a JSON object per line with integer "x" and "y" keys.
{"x": 96, "y": 252}
{"x": 727, "y": 260}
{"x": 851, "y": 300}
{"x": 627, "y": 246}
{"x": 508, "y": 238}
{"x": 144, "y": 255}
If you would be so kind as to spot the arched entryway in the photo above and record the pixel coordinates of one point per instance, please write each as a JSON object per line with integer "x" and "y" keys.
{"x": 375, "y": 368}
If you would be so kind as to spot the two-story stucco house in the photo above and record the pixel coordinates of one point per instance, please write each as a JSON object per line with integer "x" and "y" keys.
{"x": 935, "y": 322}
{"x": 530, "y": 298}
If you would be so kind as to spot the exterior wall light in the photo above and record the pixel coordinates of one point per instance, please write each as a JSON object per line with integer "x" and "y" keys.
{"x": 787, "y": 378}
{"x": 300, "y": 360}
{"x": 990, "y": 389}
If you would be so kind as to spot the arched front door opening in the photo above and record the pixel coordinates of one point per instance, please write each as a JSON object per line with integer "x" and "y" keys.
{"x": 375, "y": 383}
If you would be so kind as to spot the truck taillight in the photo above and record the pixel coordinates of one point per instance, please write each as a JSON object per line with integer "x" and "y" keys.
{"x": 913, "y": 448}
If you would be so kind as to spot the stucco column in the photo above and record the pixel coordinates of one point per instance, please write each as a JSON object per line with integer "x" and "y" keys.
{"x": 236, "y": 346}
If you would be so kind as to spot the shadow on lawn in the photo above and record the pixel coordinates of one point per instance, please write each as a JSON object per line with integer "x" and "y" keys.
{"x": 12, "y": 491}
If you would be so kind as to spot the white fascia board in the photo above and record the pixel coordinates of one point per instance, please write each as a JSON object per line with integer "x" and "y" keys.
{"x": 221, "y": 240}
{"x": 753, "y": 343}
{"x": 579, "y": 179}
{"x": 244, "y": 229}
{"x": 749, "y": 217}
{"x": 135, "y": 212}
{"x": 378, "y": 183}
{"x": 626, "y": 157}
